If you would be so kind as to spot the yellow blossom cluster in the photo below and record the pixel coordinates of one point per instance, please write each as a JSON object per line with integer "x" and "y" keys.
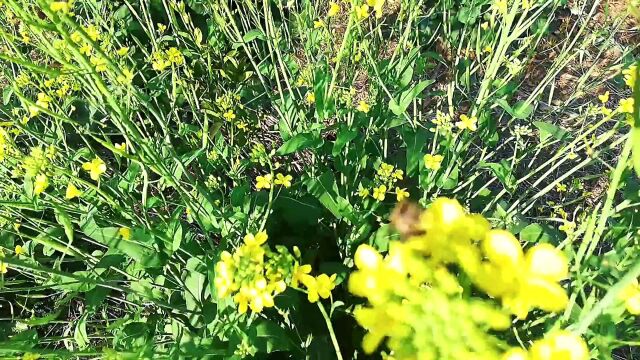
{"x": 254, "y": 274}
{"x": 401, "y": 286}
{"x": 266, "y": 181}
{"x": 631, "y": 297}
{"x": 386, "y": 178}
{"x": 559, "y": 344}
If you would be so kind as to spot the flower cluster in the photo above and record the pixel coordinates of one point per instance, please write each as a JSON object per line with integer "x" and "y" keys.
{"x": 265, "y": 181}
{"x": 386, "y": 178}
{"x": 558, "y": 344}
{"x": 631, "y": 297}
{"x": 412, "y": 292}
{"x": 254, "y": 274}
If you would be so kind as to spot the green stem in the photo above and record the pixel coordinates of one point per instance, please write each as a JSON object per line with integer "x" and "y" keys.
{"x": 334, "y": 340}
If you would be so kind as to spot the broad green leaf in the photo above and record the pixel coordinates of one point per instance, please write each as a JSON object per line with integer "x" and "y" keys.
{"x": 548, "y": 130}
{"x": 299, "y": 142}
{"x": 145, "y": 255}
{"x": 399, "y": 106}
{"x": 254, "y": 34}
{"x": 269, "y": 337}
{"x": 536, "y": 233}
{"x": 80, "y": 333}
{"x": 345, "y": 135}
{"x": 415, "y": 142}
{"x": 518, "y": 111}
{"x": 502, "y": 171}
{"x": 325, "y": 189}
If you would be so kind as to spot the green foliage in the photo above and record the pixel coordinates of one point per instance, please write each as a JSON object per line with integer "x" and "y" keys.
{"x": 139, "y": 139}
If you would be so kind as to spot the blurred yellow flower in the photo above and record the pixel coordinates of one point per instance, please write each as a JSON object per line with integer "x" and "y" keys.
{"x": 604, "y": 97}
{"x": 72, "y": 191}
{"x": 175, "y": 56}
{"x": 95, "y": 168}
{"x": 317, "y": 24}
{"x": 40, "y": 184}
{"x": 466, "y": 122}
{"x": 319, "y": 287}
{"x": 60, "y": 6}
{"x": 626, "y": 105}
{"x": 19, "y": 250}
{"x": 379, "y": 192}
{"x": 433, "y": 162}
{"x": 125, "y": 233}
{"x": 264, "y": 182}
{"x": 122, "y": 51}
{"x": 334, "y": 9}
{"x": 401, "y": 194}
{"x": 361, "y": 11}
{"x": 283, "y": 180}
{"x": 363, "y": 107}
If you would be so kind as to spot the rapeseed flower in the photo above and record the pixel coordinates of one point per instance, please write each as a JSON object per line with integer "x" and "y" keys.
{"x": 284, "y": 180}
{"x": 334, "y": 9}
{"x": 95, "y": 168}
{"x": 72, "y": 191}
{"x": 467, "y": 123}
{"x": 264, "y": 181}
{"x": 401, "y": 194}
{"x": 379, "y": 192}
{"x": 626, "y": 105}
{"x": 40, "y": 184}
{"x": 433, "y": 162}
{"x": 363, "y": 107}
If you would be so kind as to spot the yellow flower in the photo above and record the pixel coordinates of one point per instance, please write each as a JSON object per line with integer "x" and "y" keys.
{"x": 229, "y": 115}
{"x": 559, "y": 345}
{"x": 95, "y": 168}
{"x": 401, "y": 194}
{"x": 92, "y": 32}
{"x": 121, "y": 147}
{"x": 19, "y": 250}
{"x": 433, "y": 162}
{"x": 503, "y": 249}
{"x": 72, "y": 191}
{"x": 362, "y": 11}
{"x": 319, "y": 287}
{"x": 158, "y": 62}
{"x": 125, "y": 233}
{"x": 626, "y": 105}
{"x": 85, "y": 49}
{"x": 175, "y": 56}
{"x": 283, "y": 180}
{"x": 488, "y": 49}
{"x": 605, "y": 111}
{"x": 379, "y": 192}
{"x": 76, "y": 37}
{"x": 377, "y": 6}
{"x": 334, "y": 9}
{"x": 122, "y": 51}
{"x": 318, "y": 24}
{"x": 40, "y": 184}
{"x": 99, "y": 63}
{"x": 484, "y": 25}
{"x": 515, "y": 354}
{"x": 561, "y": 187}
{"x": 604, "y": 97}
{"x": 631, "y": 297}
{"x": 3, "y": 268}
{"x": 43, "y": 101}
{"x": 630, "y": 75}
{"x": 311, "y": 97}
{"x": 264, "y": 182}
{"x": 60, "y": 6}
{"x": 363, "y": 107}
{"x": 467, "y": 122}
{"x": 126, "y": 78}
{"x": 398, "y": 174}
{"x": 256, "y": 240}
{"x": 500, "y": 6}
{"x": 363, "y": 192}
{"x": 300, "y": 274}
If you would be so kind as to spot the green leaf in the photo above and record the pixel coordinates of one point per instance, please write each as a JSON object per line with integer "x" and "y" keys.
{"x": 80, "y": 333}
{"x": 635, "y": 150}
{"x": 399, "y": 106}
{"x": 64, "y": 220}
{"x": 502, "y": 171}
{"x": 469, "y": 14}
{"x": 253, "y": 34}
{"x": 269, "y": 337}
{"x": 6, "y": 95}
{"x": 519, "y": 111}
{"x": 345, "y": 135}
{"x": 536, "y": 233}
{"x": 145, "y": 255}
{"x": 415, "y": 142}
{"x": 548, "y": 130}
{"x": 324, "y": 188}
{"x": 299, "y": 142}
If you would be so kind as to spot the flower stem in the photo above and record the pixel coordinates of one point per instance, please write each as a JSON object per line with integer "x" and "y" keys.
{"x": 334, "y": 340}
